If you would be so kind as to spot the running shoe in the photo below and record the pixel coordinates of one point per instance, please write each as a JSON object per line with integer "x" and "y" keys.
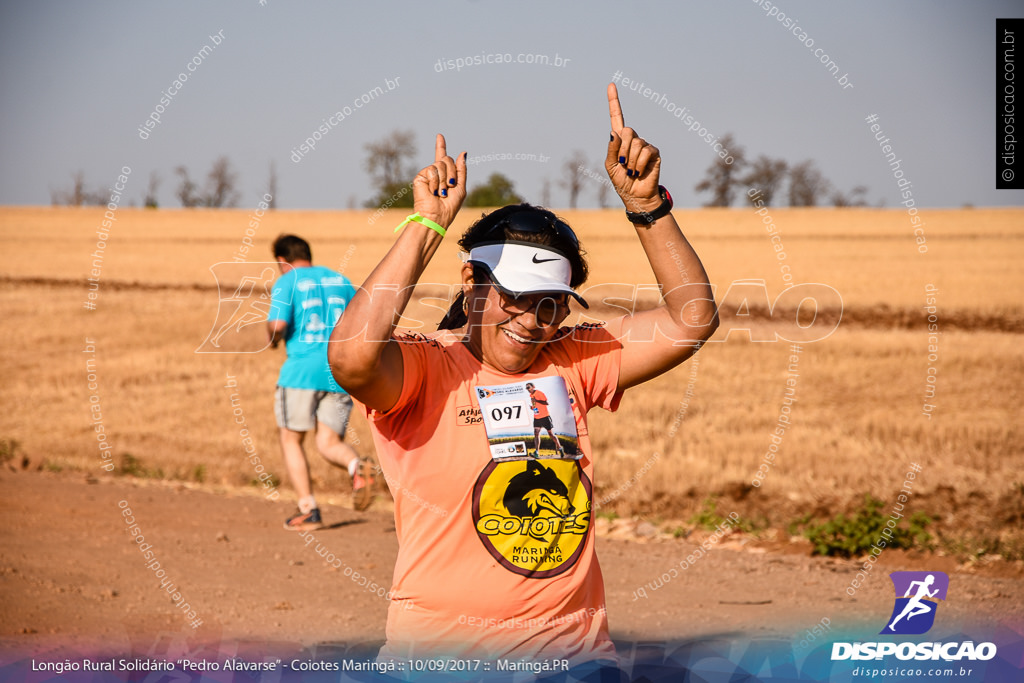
{"x": 304, "y": 522}
{"x": 362, "y": 485}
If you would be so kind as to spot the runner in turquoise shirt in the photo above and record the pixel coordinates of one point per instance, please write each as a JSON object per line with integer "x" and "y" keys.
{"x": 306, "y": 302}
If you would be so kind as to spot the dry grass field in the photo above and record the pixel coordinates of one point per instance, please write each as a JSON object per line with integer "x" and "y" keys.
{"x": 857, "y": 422}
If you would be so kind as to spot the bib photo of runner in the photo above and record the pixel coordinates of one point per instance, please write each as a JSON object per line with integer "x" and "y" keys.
{"x": 515, "y": 414}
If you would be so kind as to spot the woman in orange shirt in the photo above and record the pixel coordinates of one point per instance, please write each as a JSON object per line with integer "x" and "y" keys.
{"x": 496, "y": 548}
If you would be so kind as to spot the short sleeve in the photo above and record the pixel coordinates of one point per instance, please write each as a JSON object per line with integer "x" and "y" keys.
{"x": 281, "y": 300}
{"x": 414, "y": 373}
{"x": 596, "y": 352}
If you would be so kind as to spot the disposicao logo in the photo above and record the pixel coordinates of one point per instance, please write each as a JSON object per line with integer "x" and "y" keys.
{"x": 917, "y": 596}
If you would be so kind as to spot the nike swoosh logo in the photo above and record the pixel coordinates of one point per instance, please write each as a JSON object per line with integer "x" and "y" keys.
{"x": 542, "y": 260}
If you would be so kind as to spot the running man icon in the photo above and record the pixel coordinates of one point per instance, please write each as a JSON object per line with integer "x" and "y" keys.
{"x": 915, "y": 606}
{"x": 917, "y": 596}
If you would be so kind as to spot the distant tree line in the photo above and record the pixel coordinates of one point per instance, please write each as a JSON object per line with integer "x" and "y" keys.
{"x": 390, "y": 163}
{"x": 803, "y": 183}
{"x": 220, "y": 190}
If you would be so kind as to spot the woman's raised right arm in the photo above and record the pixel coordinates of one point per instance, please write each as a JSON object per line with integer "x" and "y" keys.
{"x": 364, "y": 359}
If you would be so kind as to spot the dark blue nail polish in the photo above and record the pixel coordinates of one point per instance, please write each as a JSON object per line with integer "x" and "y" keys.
{"x": 622, "y": 160}
{"x": 435, "y": 193}
{"x": 444, "y": 193}
{"x": 611, "y": 136}
{"x": 451, "y": 181}
{"x": 629, "y": 173}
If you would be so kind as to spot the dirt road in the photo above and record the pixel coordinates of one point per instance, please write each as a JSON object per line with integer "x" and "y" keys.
{"x": 75, "y": 584}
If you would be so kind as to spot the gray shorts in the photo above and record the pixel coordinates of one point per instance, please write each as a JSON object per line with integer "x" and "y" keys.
{"x": 301, "y": 409}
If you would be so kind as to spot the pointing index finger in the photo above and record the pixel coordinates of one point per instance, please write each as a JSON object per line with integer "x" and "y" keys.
{"x": 614, "y": 109}
{"x": 440, "y": 150}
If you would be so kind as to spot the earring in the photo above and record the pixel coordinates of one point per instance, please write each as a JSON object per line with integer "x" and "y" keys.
{"x": 465, "y": 304}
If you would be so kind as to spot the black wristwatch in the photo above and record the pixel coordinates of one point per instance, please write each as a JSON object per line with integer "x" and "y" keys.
{"x": 645, "y": 217}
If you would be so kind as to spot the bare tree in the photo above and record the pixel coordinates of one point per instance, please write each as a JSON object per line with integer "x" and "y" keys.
{"x": 545, "y": 192}
{"x": 78, "y": 195}
{"x": 766, "y": 175}
{"x": 722, "y": 176}
{"x": 150, "y": 201}
{"x": 855, "y": 198}
{"x": 390, "y": 170}
{"x": 220, "y": 191}
{"x": 221, "y": 185}
{"x": 272, "y": 186}
{"x": 187, "y": 192}
{"x": 807, "y": 186}
{"x": 572, "y": 172}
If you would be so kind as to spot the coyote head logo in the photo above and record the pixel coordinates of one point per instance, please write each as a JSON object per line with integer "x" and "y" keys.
{"x": 535, "y": 491}
{"x": 533, "y": 516}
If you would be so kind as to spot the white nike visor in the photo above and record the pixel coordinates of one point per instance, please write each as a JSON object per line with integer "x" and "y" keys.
{"x": 525, "y": 268}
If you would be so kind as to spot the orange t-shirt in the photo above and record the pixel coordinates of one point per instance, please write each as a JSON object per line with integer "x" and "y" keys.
{"x": 496, "y": 558}
{"x": 540, "y": 408}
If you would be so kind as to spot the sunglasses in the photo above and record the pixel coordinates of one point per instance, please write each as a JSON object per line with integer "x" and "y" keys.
{"x": 548, "y": 311}
{"x": 533, "y": 222}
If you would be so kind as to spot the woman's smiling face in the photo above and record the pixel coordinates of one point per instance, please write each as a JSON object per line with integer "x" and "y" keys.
{"x": 505, "y": 332}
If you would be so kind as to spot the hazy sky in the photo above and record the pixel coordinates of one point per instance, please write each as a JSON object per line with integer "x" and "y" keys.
{"x": 78, "y": 79}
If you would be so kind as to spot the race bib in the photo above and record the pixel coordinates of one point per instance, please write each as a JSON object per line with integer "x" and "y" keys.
{"x": 532, "y": 419}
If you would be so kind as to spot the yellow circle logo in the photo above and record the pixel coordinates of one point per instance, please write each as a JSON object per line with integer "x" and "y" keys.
{"x": 533, "y": 516}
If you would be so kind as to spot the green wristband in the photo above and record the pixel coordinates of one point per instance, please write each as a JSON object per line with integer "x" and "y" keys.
{"x": 425, "y": 221}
